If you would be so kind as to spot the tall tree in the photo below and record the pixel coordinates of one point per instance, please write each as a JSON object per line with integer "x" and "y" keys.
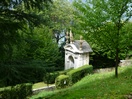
{"x": 37, "y": 53}
{"x": 16, "y": 15}
{"x": 102, "y": 21}
{"x": 61, "y": 17}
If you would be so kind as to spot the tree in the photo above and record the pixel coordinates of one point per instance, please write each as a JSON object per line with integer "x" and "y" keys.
{"x": 37, "y": 54}
{"x": 61, "y": 17}
{"x": 17, "y": 18}
{"x": 15, "y": 15}
{"x": 39, "y": 45}
{"x": 103, "y": 22}
{"x": 126, "y": 40}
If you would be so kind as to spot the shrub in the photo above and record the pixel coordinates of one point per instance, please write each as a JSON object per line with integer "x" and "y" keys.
{"x": 49, "y": 78}
{"x": 13, "y": 74}
{"x": 20, "y": 91}
{"x": 62, "y": 81}
{"x": 64, "y": 72}
{"x": 76, "y": 74}
{"x": 28, "y": 89}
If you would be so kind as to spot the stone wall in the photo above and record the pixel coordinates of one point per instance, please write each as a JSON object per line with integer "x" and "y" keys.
{"x": 48, "y": 88}
{"x": 103, "y": 70}
{"x": 125, "y": 62}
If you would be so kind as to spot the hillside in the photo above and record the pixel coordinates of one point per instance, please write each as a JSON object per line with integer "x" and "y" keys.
{"x": 96, "y": 86}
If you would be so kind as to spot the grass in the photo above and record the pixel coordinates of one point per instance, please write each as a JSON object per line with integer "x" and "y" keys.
{"x": 95, "y": 86}
{"x": 42, "y": 84}
{"x": 39, "y": 85}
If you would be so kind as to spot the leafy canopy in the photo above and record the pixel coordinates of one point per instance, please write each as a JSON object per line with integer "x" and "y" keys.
{"x": 102, "y": 23}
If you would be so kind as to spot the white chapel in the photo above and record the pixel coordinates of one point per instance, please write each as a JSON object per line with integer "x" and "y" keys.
{"x": 76, "y": 52}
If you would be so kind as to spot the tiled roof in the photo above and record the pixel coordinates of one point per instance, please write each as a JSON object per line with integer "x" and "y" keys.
{"x": 75, "y": 47}
{"x": 85, "y": 46}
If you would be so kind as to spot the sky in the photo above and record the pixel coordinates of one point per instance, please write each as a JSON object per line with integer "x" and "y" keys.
{"x": 85, "y": 0}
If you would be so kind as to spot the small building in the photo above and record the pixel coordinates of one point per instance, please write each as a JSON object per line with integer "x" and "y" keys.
{"x": 76, "y": 53}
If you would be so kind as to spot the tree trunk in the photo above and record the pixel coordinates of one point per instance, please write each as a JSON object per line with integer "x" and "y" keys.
{"x": 117, "y": 49}
{"x": 116, "y": 65}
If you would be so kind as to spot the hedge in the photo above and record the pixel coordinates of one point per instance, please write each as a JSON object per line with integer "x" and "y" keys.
{"x": 49, "y": 78}
{"x": 76, "y": 74}
{"x": 20, "y": 91}
{"x": 62, "y": 81}
{"x": 64, "y": 72}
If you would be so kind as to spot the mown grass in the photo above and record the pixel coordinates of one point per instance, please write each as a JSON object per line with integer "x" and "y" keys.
{"x": 40, "y": 85}
{"x": 95, "y": 86}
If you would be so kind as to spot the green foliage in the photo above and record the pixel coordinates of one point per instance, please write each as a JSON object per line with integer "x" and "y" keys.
{"x": 64, "y": 72}
{"x": 60, "y": 18}
{"x": 49, "y": 78}
{"x": 16, "y": 92}
{"x": 101, "y": 61}
{"x": 77, "y": 74}
{"x": 61, "y": 14}
{"x": 27, "y": 47}
{"x": 36, "y": 55}
{"x": 127, "y": 31}
{"x": 96, "y": 86}
{"x": 17, "y": 15}
{"x": 62, "y": 81}
{"x": 101, "y": 23}
{"x": 39, "y": 45}
{"x": 21, "y": 73}
{"x": 98, "y": 22}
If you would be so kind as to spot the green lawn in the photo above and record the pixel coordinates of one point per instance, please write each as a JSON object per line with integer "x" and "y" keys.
{"x": 39, "y": 85}
{"x": 95, "y": 86}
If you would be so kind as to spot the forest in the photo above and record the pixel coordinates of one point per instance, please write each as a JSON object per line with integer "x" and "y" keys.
{"x": 33, "y": 35}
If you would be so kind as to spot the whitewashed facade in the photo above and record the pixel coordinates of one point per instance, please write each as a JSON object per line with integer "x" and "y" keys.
{"x": 77, "y": 54}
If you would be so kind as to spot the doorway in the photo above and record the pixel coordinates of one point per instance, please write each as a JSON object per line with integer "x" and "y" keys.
{"x": 71, "y": 60}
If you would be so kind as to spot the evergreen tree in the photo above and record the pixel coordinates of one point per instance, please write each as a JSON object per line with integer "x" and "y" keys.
{"x": 15, "y": 15}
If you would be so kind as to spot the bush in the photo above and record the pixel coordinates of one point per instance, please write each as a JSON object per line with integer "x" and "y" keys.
{"x": 13, "y": 74}
{"x": 49, "y": 78}
{"x": 62, "y": 81}
{"x": 64, "y": 72}
{"x": 20, "y": 91}
{"x": 76, "y": 74}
